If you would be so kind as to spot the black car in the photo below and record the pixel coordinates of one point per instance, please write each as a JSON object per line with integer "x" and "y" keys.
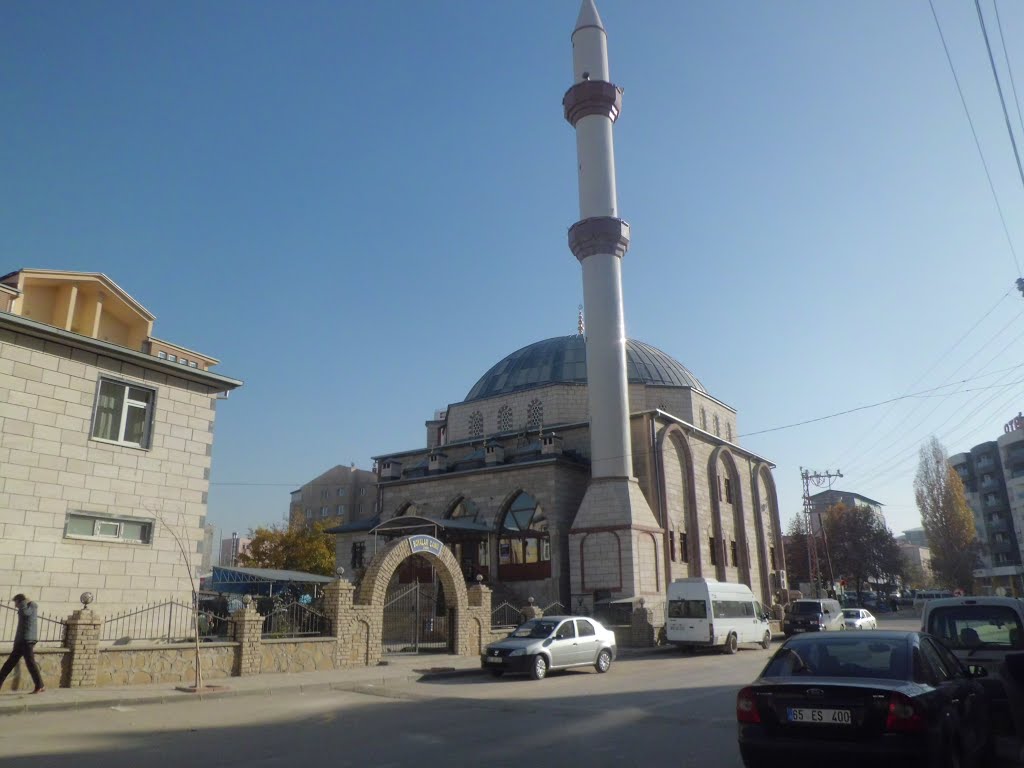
{"x": 863, "y": 698}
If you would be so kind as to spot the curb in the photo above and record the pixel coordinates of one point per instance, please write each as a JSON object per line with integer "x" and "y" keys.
{"x": 172, "y": 696}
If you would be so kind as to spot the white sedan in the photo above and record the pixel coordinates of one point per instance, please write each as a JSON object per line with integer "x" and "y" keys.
{"x": 858, "y": 618}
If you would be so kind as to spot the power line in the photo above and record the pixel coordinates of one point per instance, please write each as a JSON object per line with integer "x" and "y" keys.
{"x": 1009, "y": 67}
{"x": 974, "y": 133}
{"x": 942, "y": 358}
{"x": 1002, "y": 99}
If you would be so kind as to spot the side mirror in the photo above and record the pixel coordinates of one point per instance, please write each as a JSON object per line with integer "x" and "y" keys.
{"x": 765, "y": 617}
{"x": 827, "y": 611}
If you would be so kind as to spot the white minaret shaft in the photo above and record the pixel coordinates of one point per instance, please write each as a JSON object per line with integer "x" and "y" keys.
{"x": 599, "y": 240}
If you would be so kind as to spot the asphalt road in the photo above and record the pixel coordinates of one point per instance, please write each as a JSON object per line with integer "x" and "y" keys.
{"x": 670, "y": 709}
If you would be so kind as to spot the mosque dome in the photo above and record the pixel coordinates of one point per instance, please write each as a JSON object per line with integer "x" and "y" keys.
{"x": 563, "y": 360}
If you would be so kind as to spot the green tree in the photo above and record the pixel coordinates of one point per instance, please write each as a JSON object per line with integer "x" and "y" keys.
{"x": 947, "y": 518}
{"x": 292, "y": 548}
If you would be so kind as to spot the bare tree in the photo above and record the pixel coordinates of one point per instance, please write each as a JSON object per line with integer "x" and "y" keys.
{"x": 947, "y": 518}
{"x": 180, "y": 538}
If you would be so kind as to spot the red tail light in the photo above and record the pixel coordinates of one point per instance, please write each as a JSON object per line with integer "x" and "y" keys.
{"x": 904, "y": 715}
{"x": 746, "y": 707}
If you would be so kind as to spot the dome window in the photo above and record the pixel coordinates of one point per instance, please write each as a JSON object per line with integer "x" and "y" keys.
{"x": 505, "y": 418}
{"x": 534, "y": 414}
{"x": 476, "y": 424}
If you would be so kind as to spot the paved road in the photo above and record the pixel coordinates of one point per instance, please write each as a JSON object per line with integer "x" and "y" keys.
{"x": 669, "y": 709}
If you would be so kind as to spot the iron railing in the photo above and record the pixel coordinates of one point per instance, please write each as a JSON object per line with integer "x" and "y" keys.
{"x": 293, "y": 619}
{"x": 555, "y": 609}
{"x": 167, "y": 622}
{"x": 506, "y": 615}
{"x": 50, "y": 631}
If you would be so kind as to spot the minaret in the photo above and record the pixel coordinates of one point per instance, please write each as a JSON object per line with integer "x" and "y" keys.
{"x": 614, "y": 518}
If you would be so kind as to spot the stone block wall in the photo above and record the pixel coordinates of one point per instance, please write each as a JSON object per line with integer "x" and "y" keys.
{"x": 54, "y": 666}
{"x": 138, "y": 665}
{"x": 51, "y": 465}
{"x": 310, "y": 655}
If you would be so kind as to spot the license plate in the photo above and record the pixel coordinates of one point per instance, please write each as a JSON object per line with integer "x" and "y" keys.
{"x": 819, "y": 716}
{"x": 492, "y": 659}
{"x": 797, "y": 630}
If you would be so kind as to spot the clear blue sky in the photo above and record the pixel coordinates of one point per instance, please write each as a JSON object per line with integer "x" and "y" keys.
{"x": 360, "y": 207}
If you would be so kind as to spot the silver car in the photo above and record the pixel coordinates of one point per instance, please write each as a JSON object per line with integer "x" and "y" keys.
{"x": 552, "y": 642}
{"x": 859, "y": 618}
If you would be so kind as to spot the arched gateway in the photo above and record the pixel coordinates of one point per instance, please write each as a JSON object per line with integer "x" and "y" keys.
{"x": 469, "y": 609}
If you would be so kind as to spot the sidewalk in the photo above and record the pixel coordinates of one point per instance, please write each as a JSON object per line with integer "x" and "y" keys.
{"x": 398, "y": 670}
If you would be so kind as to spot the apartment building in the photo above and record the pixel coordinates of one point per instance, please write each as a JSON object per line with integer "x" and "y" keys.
{"x": 993, "y": 478}
{"x": 338, "y": 496}
{"x": 105, "y": 445}
{"x": 826, "y": 500}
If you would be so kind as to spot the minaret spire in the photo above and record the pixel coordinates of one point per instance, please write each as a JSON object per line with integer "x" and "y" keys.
{"x": 613, "y": 507}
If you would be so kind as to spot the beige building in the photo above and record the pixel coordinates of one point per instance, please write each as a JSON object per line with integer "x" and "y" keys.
{"x": 505, "y": 470}
{"x": 339, "y": 495}
{"x": 105, "y": 444}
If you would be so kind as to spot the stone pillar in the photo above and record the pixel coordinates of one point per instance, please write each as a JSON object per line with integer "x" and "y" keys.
{"x": 338, "y": 609}
{"x": 531, "y": 611}
{"x": 83, "y": 643}
{"x": 480, "y": 597}
{"x": 642, "y": 632}
{"x": 248, "y": 633}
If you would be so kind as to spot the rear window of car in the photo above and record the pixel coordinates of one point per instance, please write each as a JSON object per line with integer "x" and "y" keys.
{"x": 851, "y": 613}
{"x": 687, "y": 609}
{"x": 966, "y": 627}
{"x": 825, "y": 656}
{"x": 802, "y": 608}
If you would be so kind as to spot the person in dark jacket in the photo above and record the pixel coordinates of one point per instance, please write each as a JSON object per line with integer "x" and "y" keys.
{"x": 25, "y": 638}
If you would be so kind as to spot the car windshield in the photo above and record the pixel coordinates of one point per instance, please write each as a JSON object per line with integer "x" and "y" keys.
{"x": 851, "y": 613}
{"x": 806, "y": 609}
{"x": 538, "y": 628}
{"x": 824, "y": 656}
{"x": 969, "y": 627}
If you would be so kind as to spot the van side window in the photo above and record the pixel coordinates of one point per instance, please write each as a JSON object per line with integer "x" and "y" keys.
{"x": 687, "y": 609}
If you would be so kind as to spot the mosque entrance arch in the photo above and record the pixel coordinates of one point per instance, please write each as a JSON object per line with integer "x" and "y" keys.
{"x": 432, "y": 617}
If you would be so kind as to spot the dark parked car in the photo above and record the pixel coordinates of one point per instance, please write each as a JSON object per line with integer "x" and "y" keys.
{"x": 877, "y": 698}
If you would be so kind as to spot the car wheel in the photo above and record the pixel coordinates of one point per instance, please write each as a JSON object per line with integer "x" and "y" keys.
{"x": 767, "y": 641}
{"x": 731, "y": 646}
{"x": 497, "y": 672}
{"x": 539, "y": 669}
{"x": 604, "y": 661}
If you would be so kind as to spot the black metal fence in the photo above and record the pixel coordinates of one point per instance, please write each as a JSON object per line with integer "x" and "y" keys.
{"x": 294, "y": 619}
{"x": 168, "y": 622}
{"x": 506, "y": 615}
{"x": 51, "y": 631}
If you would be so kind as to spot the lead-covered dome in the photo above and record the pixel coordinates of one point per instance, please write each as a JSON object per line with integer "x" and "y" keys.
{"x": 563, "y": 360}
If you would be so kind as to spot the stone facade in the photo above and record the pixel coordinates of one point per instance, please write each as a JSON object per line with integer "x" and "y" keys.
{"x": 311, "y": 655}
{"x": 54, "y": 666}
{"x": 139, "y": 665}
{"x": 51, "y": 466}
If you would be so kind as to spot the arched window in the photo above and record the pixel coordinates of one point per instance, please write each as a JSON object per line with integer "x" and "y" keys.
{"x": 476, "y": 424}
{"x": 703, "y": 419}
{"x": 464, "y": 509}
{"x": 534, "y": 414}
{"x": 505, "y": 418}
{"x": 408, "y": 509}
{"x": 524, "y": 545}
{"x": 718, "y": 430}
{"x": 728, "y": 431}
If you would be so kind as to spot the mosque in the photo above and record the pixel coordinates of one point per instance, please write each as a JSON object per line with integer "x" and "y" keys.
{"x": 588, "y": 470}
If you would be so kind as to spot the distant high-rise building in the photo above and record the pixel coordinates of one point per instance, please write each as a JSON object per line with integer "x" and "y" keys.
{"x": 231, "y": 548}
{"x": 826, "y": 500}
{"x": 338, "y": 496}
{"x": 993, "y": 478}
{"x": 210, "y": 552}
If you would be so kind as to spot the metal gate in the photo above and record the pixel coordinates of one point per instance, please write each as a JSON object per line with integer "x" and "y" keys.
{"x": 411, "y": 620}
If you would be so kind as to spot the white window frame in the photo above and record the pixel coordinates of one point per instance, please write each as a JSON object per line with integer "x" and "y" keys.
{"x": 98, "y": 520}
{"x": 148, "y": 408}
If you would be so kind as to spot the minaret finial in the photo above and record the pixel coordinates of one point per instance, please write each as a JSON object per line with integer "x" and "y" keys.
{"x": 589, "y": 17}
{"x": 579, "y": 323}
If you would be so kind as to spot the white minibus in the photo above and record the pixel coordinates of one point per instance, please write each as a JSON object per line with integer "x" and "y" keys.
{"x": 708, "y": 612}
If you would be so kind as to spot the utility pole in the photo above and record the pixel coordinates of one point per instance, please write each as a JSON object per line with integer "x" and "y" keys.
{"x": 818, "y": 479}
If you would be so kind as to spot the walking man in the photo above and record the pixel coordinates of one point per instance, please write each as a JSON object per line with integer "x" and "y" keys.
{"x": 24, "y": 643}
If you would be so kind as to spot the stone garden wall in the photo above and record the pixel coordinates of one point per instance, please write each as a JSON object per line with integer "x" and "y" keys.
{"x": 139, "y": 665}
{"x": 54, "y": 666}
{"x": 310, "y": 655}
